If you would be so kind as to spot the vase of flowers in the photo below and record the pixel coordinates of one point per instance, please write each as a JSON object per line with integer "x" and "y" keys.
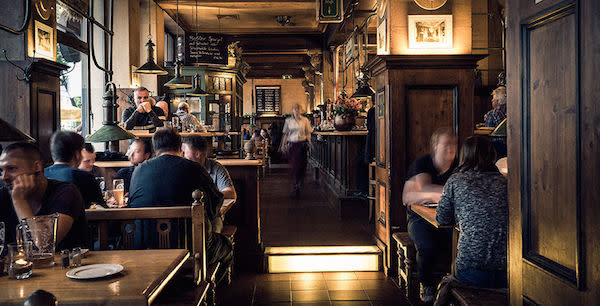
{"x": 345, "y": 110}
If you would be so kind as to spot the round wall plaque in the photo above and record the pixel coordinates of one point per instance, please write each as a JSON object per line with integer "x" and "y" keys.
{"x": 430, "y": 4}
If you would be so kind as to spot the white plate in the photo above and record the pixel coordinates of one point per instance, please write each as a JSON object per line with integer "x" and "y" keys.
{"x": 94, "y": 271}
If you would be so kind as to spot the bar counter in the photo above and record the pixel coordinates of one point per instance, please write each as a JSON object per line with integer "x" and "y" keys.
{"x": 339, "y": 162}
{"x": 147, "y": 134}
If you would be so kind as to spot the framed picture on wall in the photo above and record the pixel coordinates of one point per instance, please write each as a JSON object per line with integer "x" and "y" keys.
{"x": 44, "y": 41}
{"x": 382, "y": 34}
{"x": 430, "y": 31}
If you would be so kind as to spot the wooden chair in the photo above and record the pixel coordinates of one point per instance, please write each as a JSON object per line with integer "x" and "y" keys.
{"x": 407, "y": 271}
{"x": 194, "y": 224}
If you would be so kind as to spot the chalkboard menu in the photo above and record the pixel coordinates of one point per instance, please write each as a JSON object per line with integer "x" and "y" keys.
{"x": 268, "y": 99}
{"x": 205, "y": 48}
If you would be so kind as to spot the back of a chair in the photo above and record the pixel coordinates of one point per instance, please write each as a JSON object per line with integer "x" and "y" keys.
{"x": 193, "y": 226}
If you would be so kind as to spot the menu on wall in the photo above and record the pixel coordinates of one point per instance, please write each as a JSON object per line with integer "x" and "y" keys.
{"x": 268, "y": 99}
{"x": 205, "y": 48}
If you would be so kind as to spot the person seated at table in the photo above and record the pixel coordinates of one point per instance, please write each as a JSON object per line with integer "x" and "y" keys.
{"x": 246, "y": 135}
{"x": 165, "y": 108}
{"x": 88, "y": 158}
{"x": 256, "y": 136}
{"x": 476, "y": 199}
{"x": 424, "y": 184}
{"x": 169, "y": 179}
{"x": 65, "y": 148}
{"x": 498, "y": 111}
{"x": 139, "y": 151}
{"x": 195, "y": 148}
{"x": 143, "y": 115}
{"x": 27, "y": 193}
{"x": 188, "y": 120}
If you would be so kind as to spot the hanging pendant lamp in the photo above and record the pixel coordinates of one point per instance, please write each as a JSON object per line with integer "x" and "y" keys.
{"x": 11, "y": 133}
{"x": 150, "y": 67}
{"x": 197, "y": 91}
{"x": 178, "y": 82}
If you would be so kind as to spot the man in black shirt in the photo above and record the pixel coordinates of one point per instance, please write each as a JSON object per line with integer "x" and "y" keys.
{"x": 66, "y": 148}
{"x": 425, "y": 181}
{"x": 139, "y": 151}
{"x": 169, "y": 180}
{"x": 143, "y": 115}
{"x": 28, "y": 193}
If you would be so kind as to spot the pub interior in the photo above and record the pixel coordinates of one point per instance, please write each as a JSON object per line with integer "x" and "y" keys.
{"x": 291, "y": 152}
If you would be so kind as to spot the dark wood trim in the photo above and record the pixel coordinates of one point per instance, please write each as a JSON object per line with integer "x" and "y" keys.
{"x": 453, "y": 61}
{"x": 573, "y": 277}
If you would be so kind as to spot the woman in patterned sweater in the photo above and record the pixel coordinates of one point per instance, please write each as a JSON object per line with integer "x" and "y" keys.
{"x": 475, "y": 198}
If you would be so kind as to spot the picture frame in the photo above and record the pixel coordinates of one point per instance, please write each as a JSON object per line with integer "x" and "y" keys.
{"x": 382, "y": 34}
{"x": 430, "y": 31}
{"x": 45, "y": 43}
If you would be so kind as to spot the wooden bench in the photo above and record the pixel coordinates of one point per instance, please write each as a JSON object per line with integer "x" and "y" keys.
{"x": 479, "y": 297}
{"x": 407, "y": 269}
{"x": 193, "y": 222}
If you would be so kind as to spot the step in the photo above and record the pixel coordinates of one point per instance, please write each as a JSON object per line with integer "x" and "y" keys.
{"x": 322, "y": 258}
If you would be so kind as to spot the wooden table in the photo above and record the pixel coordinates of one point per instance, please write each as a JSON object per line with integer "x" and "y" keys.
{"x": 145, "y": 274}
{"x": 428, "y": 214}
{"x": 147, "y": 134}
{"x": 228, "y": 162}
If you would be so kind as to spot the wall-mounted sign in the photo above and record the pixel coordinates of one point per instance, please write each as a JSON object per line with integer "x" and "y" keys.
{"x": 330, "y": 11}
{"x": 268, "y": 99}
{"x": 430, "y": 31}
{"x": 349, "y": 50}
{"x": 205, "y": 48}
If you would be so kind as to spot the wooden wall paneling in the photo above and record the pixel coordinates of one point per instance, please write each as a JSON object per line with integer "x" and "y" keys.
{"x": 553, "y": 149}
{"x": 427, "y": 109}
{"x": 14, "y": 104}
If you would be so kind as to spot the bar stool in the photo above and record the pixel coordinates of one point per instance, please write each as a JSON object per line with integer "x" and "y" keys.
{"x": 407, "y": 269}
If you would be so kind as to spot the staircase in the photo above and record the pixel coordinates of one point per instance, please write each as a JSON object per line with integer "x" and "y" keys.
{"x": 322, "y": 258}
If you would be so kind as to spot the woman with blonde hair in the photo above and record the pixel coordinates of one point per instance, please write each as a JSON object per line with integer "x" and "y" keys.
{"x": 295, "y": 144}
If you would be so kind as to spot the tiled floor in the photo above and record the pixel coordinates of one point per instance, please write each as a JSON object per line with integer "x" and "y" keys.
{"x": 301, "y": 222}
{"x": 307, "y": 221}
{"x": 327, "y": 288}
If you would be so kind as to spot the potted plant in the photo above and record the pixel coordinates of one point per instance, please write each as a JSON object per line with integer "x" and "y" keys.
{"x": 345, "y": 110}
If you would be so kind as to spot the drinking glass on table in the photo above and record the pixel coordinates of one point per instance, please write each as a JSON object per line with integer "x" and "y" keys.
{"x": 101, "y": 183}
{"x": 19, "y": 263}
{"x": 118, "y": 191}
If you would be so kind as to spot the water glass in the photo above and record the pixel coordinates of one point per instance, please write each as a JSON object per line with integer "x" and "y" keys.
{"x": 20, "y": 265}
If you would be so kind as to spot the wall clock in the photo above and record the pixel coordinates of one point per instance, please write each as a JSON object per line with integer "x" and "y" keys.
{"x": 430, "y": 4}
{"x": 44, "y": 8}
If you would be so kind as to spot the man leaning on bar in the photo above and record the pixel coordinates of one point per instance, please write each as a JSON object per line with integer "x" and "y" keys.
{"x": 143, "y": 115}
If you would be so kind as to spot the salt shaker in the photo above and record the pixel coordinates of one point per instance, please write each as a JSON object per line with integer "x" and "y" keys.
{"x": 75, "y": 257}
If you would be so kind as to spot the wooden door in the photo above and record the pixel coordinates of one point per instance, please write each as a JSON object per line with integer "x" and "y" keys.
{"x": 382, "y": 174}
{"x": 427, "y": 109}
{"x": 553, "y": 140}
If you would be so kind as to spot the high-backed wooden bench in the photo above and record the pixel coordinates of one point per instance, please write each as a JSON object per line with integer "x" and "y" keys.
{"x": 407, "y": 271}
{"x": 194, "y": 224}
{"x": 479, "y": 297}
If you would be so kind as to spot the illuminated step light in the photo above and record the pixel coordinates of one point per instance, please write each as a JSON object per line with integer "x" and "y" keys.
{"x": 322, "y": 259}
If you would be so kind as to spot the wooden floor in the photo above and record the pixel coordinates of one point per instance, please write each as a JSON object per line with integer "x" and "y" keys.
{"x": 308, "y": 221}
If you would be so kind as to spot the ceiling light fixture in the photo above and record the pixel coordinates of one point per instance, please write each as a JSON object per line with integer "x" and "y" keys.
{"x": 150, "y": 67}
{"x": 178, "y": 82}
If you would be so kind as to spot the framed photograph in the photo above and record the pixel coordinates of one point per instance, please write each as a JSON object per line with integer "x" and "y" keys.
{"x": 430, "y": 31}
{"x": 382, "y": 34}
{"x": 44, "y": 41}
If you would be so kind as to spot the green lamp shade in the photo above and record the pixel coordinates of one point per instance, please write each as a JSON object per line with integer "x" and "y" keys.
{"x": 500, "y": 130}
{"x": 11, "y": 133}
{"x": 178, "y": 82}
{"x": 109, "y": 133}
{"x": 151, "y": 68}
